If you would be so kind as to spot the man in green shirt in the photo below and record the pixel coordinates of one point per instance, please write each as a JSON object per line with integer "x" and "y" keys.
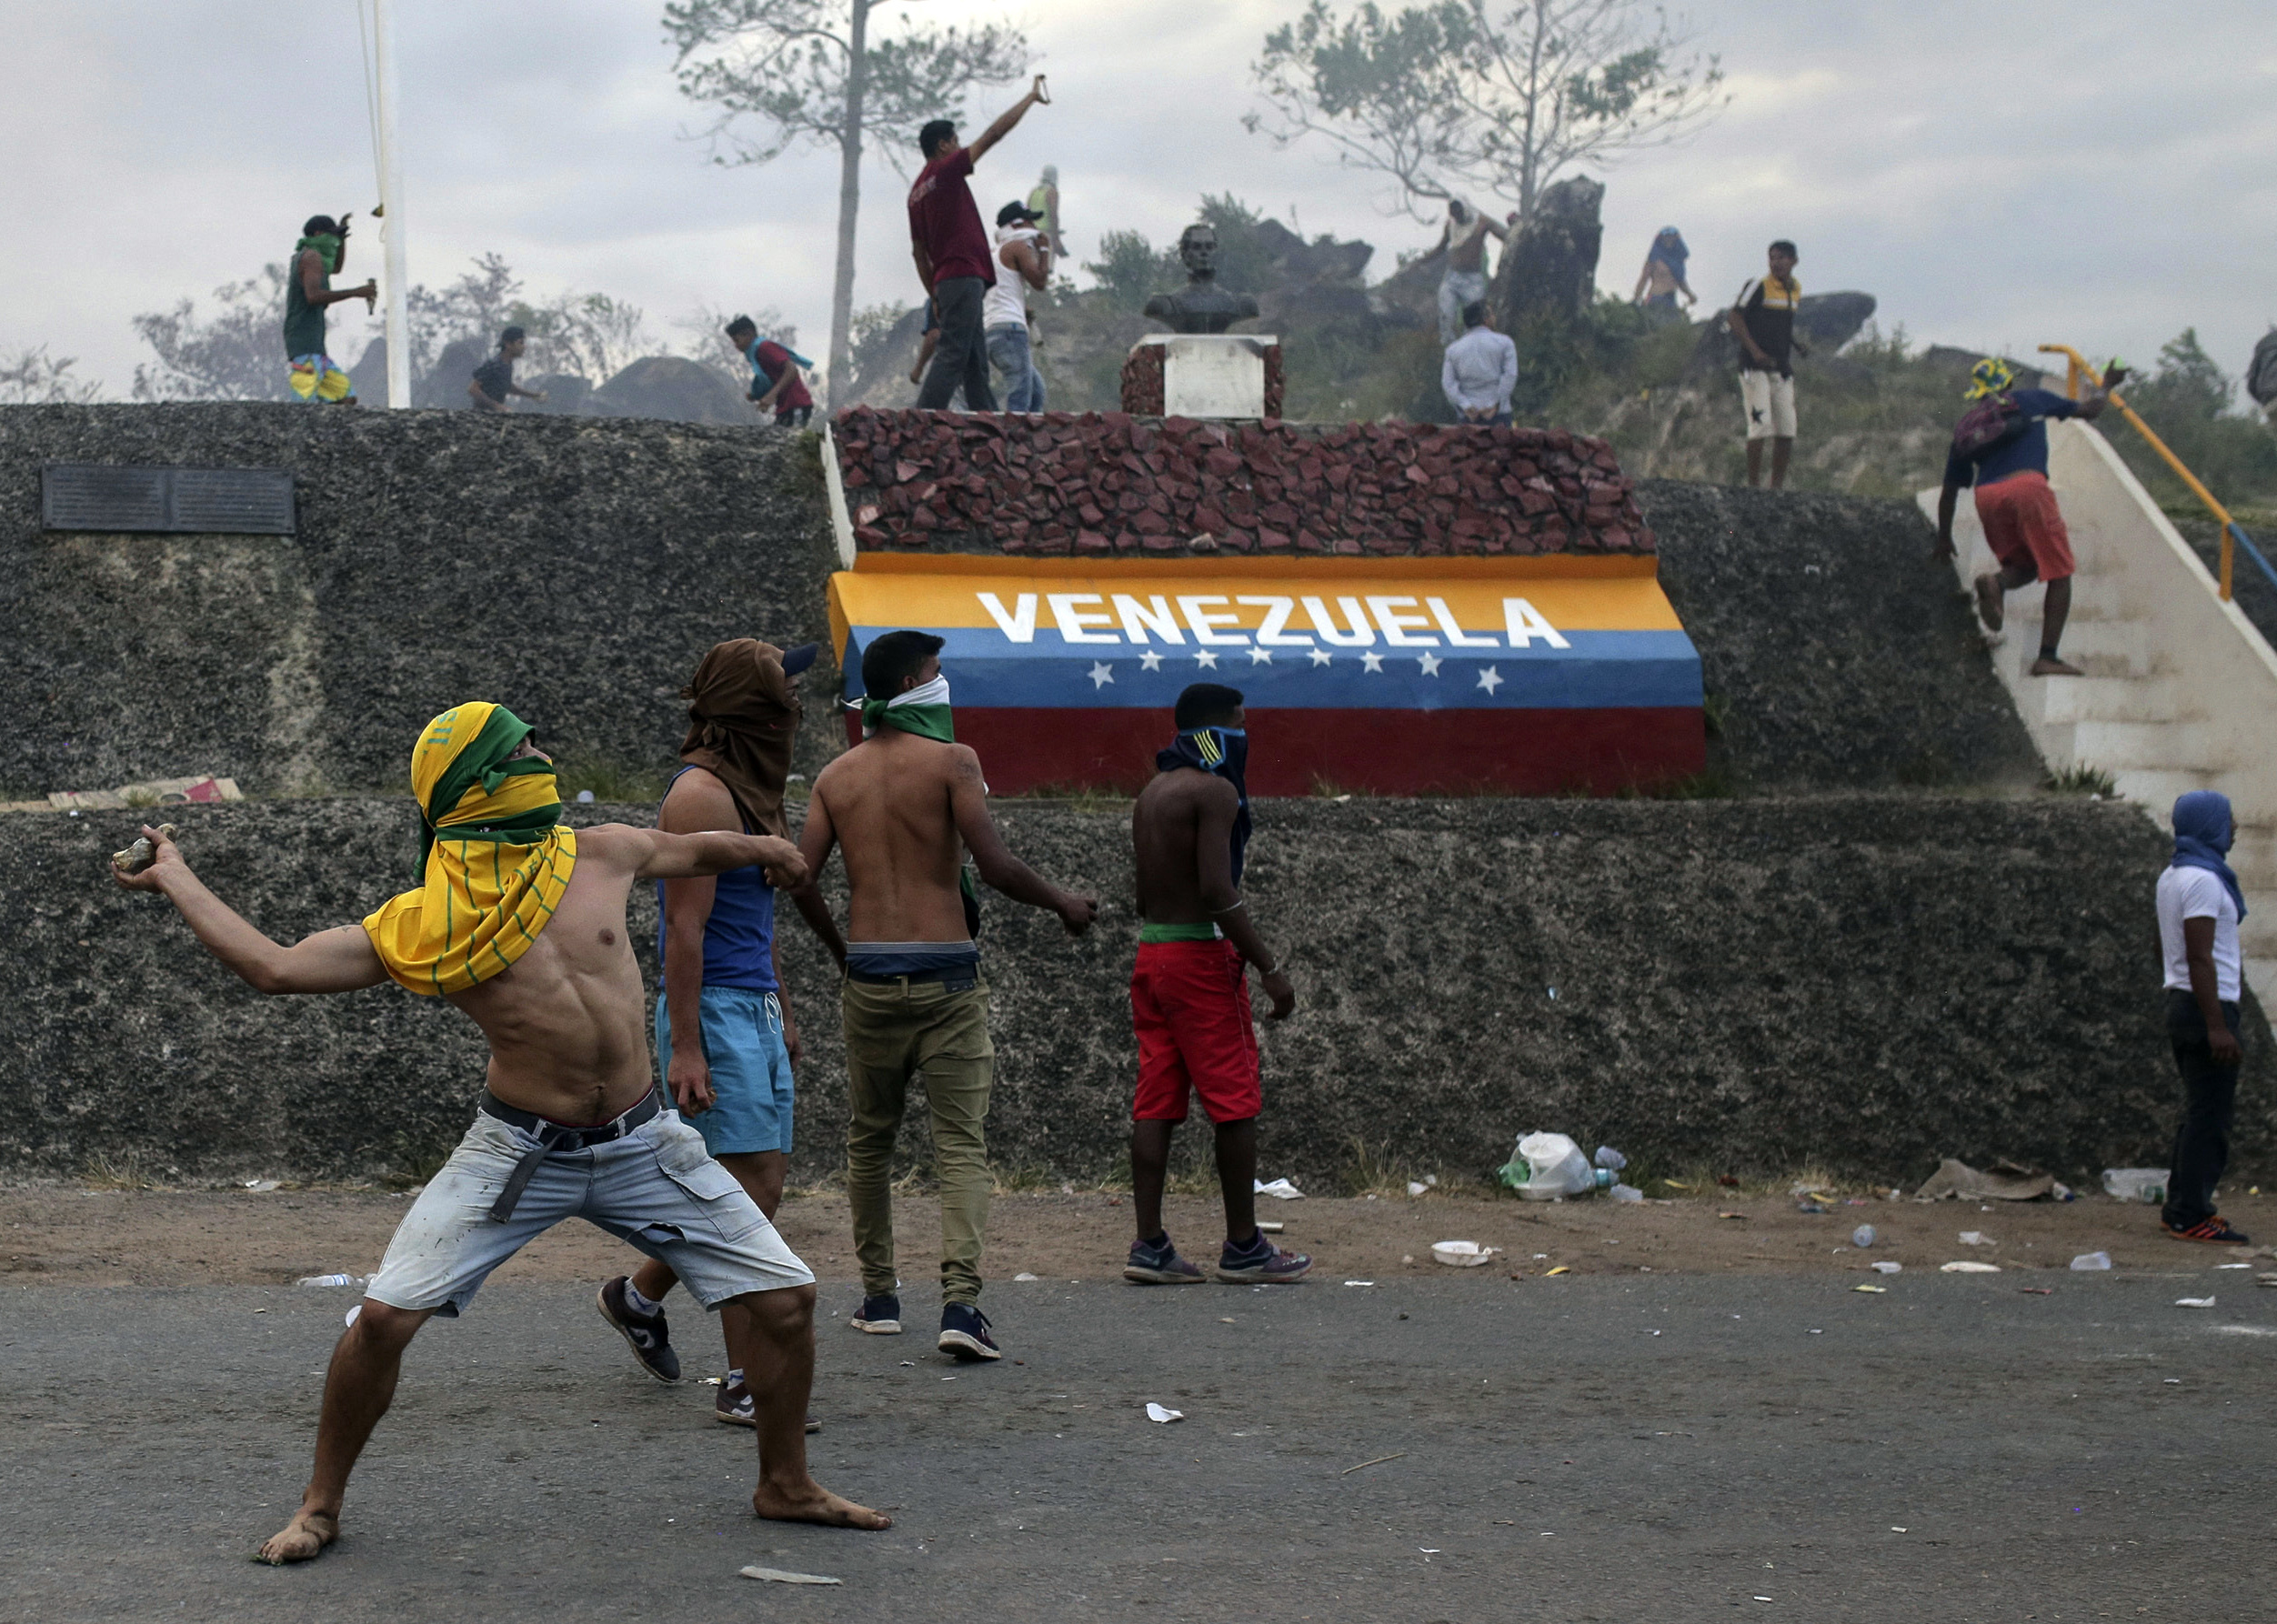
{"x": 322, "y": 249}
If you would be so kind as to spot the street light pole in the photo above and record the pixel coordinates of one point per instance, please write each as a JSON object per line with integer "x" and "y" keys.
{"x": 391, "y": 231}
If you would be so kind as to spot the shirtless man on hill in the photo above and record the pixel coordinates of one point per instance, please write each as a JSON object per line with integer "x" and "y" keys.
{"x": 1189, "y": 993}
{"x": 904, "y": 806}
{"x": 571, "y": 1124}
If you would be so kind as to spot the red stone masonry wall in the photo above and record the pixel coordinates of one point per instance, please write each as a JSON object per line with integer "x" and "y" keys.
{"x": 1107, "y": 482}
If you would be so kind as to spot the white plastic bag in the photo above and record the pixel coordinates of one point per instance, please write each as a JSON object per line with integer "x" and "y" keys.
{"x": 1558, "y": 1167}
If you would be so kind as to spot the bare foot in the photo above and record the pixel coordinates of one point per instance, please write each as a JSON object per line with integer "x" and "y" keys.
{"x": 1988, "y": 602}
{"x": 2047, "y": 667}
{"x": 814, "y": 1504}
{"x": 308, "y": 1533}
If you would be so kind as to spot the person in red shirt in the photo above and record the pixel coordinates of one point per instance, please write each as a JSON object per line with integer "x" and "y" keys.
{"x": 776, "y": 384}
{"x": 954, "y": 257}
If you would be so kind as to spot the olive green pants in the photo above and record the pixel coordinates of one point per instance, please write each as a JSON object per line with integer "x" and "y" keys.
{"x": 895, "y": 1032}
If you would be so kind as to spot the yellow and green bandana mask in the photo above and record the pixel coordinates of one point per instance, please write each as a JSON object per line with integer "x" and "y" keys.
{"x": 1991, "y": 376}
{"x": 493, "y": 859}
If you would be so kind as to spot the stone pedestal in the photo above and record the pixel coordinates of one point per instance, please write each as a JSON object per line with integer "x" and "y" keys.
{"x": 1204, "y": 375}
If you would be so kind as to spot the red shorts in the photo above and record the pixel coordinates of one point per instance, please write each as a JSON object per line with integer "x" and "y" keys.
{"x": 2023, "y": 526}
{"x": 1190, "y": 1003}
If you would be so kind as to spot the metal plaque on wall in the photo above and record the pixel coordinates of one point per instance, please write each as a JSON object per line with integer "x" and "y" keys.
{"x": 108, "y": 497}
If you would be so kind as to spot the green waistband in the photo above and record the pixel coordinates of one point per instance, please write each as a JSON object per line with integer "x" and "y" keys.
{"x": 1152, "y": 932}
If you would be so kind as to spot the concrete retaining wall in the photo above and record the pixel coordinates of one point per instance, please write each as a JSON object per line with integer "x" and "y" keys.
{"x": 572, "y": 568}
{"x": 1862, "y": 981}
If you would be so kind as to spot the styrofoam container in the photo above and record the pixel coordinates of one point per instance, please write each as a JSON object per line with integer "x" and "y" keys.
{"x": 1461, "y": 1254}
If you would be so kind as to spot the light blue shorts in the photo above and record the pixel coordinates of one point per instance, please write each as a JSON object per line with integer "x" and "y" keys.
{"x": 656, "y": 1188}
{"x": 750, "y": 1070}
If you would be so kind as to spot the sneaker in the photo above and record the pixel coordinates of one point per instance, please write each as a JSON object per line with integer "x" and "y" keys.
{"x": 648, "y": 1337}
{"x": 734, "y": 1406}
{"x": 2213, "y": 1228}
{"x": 965, "y": 1333}
{"x": 879, "y": 1316}
{"x": 1160, "y": 1266}
{"x": 1261, "y": 1263}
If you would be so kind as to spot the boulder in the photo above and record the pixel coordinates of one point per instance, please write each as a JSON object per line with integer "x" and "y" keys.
{"x": 566, "y": 395}
{"x": 1549, "y": 268}
{"x": 1826, "y": 321}
{"x": 445, "y": 383}
{"x": 673, "y": 388}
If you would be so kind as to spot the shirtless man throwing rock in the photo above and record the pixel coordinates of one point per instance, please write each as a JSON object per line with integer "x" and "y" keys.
{"x": 520, "y": 922}
{"x": 904, "y": 806}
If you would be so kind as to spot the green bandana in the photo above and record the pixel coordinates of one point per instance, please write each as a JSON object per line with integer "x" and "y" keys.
{"x": 329, "y": 246}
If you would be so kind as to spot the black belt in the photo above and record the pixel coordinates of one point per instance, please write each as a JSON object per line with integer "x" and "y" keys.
{"x": 957, "y": 977}
{"x": 554, "y": 1138}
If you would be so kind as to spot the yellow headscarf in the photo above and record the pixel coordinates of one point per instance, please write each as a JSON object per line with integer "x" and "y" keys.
{"x": 496, "y": 859}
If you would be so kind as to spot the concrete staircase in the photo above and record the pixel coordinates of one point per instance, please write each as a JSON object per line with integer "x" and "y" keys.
{"x": 2180, "y": 689}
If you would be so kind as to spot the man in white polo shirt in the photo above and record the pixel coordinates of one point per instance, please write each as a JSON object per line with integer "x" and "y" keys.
{"x": 2200, "y": 905}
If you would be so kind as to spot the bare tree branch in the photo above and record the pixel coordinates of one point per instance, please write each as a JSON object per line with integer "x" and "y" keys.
{"x": 1447, "y": 97}
{"x": 784, "y": 73}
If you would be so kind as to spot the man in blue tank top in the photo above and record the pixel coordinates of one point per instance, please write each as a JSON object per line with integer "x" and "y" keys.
{"x": 730, "y": 1071}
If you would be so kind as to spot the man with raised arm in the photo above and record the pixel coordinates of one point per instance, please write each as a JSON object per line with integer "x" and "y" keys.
{"x": 520, "y": 921}
{"x": 904, "y": 806}
{"x": 954, "y": 260}
{"x": 1189, "y": 992}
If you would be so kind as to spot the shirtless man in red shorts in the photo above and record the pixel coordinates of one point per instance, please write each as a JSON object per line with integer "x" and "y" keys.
{"x": 1189, "y": 995}
{"x": 2022, "y": 524}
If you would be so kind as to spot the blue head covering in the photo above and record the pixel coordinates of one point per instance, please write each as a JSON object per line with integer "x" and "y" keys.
{"x": 1225, "y": 752}
{"x": 2203, "y": 828}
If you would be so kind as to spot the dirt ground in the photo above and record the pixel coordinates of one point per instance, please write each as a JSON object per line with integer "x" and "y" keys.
{"x": 65, "y": 1234}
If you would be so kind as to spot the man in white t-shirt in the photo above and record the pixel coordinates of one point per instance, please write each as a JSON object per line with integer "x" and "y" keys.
{"x": 2200, "y": 905}
{"x": 1004, "y": 319}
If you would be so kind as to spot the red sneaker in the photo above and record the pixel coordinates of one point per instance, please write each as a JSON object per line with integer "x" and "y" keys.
{"x": 2215, "y": 1229}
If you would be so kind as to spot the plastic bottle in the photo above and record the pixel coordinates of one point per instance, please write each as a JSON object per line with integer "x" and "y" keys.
{"x": 2091, "y": 1260}
{"x": 330, "y": 1280}
{"x": 1627, "y": 1192}
{"x": 1862, "y": 1236}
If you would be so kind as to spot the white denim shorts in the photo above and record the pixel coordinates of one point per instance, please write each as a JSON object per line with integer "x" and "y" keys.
{"x": 1769, "y": 400}
{"x": 656, "y": 1189}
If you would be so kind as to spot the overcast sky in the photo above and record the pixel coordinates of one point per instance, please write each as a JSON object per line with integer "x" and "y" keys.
{"x": 1996, "y": 173}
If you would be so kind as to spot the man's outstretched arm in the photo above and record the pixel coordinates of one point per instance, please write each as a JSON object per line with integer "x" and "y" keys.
{"x": 712, "y": 851}
{"x": 337, "y": 960}
{"x": 1005, "y": 120}
{"x": 1000, "y": 869}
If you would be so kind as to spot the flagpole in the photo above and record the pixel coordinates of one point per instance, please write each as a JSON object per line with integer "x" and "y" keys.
{"x": 391, "y": 232}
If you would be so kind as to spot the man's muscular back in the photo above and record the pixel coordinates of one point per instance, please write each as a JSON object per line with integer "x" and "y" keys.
{"x": 891, "y": 803}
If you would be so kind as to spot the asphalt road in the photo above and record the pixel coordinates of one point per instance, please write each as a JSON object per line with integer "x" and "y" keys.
{"x": 1655, "y": 1450}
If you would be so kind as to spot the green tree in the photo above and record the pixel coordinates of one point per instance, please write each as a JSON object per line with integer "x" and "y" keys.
{"x": 34, "y": 377}
{"x": 2189, "y": 402}
{"x": 809, "y": 74}
{"x": 236, "y": 353}
{"x": 1447, "y": 97}
{"x": 1130, "y": 269}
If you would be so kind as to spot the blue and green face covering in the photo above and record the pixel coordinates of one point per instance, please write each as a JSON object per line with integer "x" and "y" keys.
{"x": 1225, "y": 752}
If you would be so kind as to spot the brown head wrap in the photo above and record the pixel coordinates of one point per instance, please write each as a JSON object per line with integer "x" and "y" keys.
{"x": 743, "y": 713}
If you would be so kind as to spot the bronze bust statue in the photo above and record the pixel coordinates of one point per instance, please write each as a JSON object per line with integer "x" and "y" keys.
{"x": 1201, "y": 306}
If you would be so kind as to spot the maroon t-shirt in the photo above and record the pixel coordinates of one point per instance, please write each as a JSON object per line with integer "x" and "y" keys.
{"x": 945, "y": 223}
{"x": 771, "y": 358}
